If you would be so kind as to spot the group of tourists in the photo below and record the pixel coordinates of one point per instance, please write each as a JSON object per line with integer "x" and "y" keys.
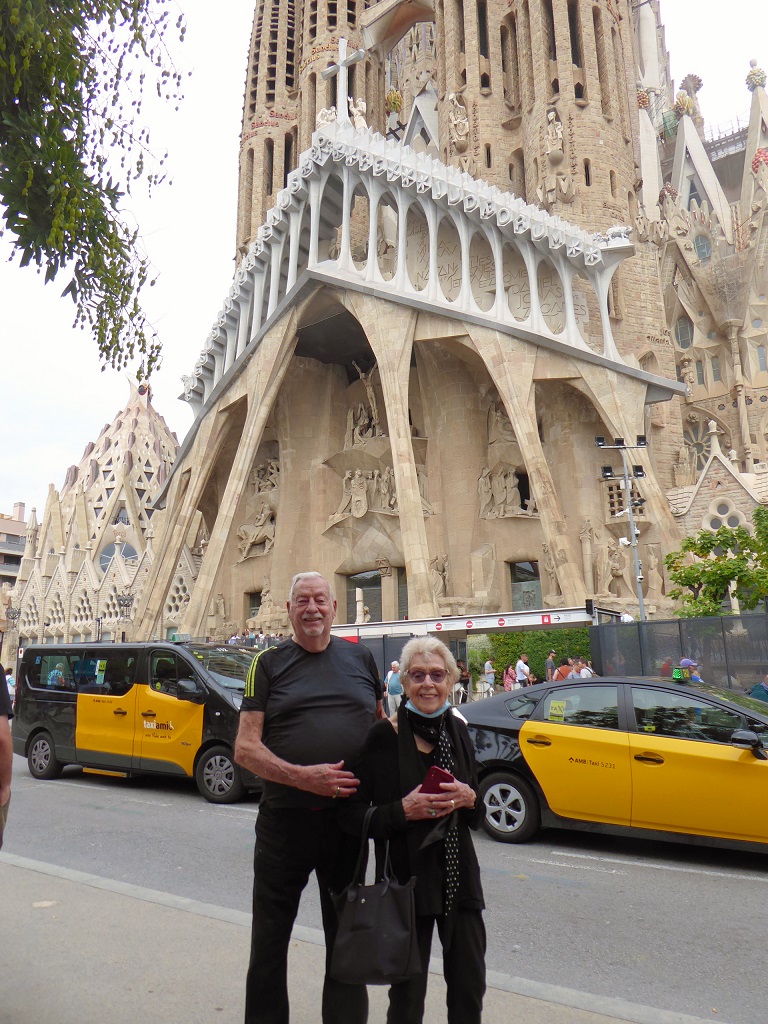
{"x": 516, "y": 676}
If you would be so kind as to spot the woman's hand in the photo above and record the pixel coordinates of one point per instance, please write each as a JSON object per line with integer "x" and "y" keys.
{"x": 418, "y": 806}
{"x": 458, "y": 794}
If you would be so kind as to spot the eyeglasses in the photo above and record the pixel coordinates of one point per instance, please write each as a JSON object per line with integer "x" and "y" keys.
{"x": 436, "y": 675}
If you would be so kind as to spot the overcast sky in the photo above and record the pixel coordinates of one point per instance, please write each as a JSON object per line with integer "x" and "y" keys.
{"x": 55, "y": 398}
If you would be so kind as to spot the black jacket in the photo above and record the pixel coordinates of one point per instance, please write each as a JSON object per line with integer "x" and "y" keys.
{"x": 380, "y": 770}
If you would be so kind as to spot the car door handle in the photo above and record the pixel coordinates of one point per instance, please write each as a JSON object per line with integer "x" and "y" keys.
{"x": 539, "y": 741}
{"x": 649, "y": 758}
{"x": 148, "y": 714}
{"x": 119, "y": 711}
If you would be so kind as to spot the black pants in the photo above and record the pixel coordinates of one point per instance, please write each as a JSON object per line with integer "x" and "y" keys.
{"x": 290, "y": 845}
{"x": 463, "y": 969}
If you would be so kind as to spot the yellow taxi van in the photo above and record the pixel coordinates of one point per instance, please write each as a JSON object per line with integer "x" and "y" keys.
{"x": 164, "y": 708}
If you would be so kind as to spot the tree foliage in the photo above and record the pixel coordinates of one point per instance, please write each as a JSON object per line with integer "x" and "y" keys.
{"x": 537, "y": 643}
{"x": 72, "y": 80}
{"x": 713, "y": 564}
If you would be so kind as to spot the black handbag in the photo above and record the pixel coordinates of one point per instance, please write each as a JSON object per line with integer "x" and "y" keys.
{"x": 376, "y": 941}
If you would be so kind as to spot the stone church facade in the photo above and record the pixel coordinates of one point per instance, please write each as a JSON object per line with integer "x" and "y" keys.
{"x": 87, "y": 560}
{"x": 471, "y": 237}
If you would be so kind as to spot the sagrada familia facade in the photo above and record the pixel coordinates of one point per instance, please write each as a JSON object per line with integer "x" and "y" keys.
{"x": 472, "y": 237}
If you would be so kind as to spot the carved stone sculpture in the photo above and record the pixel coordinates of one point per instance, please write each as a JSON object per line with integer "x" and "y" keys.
{"x": 362, "y": 425}
{"x": 326, "y": 116}
{"x": 266, "y": 476}
{"x": 587, "y": 538}
{"x": 499, "y": 425}
{"x": 458, "y": 124}
{"x": 554, "y": 138}
{"x": 485, "y": 493}
{"x": 357, "y": 112}
{"x": 550, "y": 569}
{"x": 655, "y": 579}
{"x": 346, "y": 497}
{"x": 366, "y": 378}
{"x": 359, "y": 495}
{"x": 260, "y": 532}
{"x": 512, "y": 503}
{"x": 439, "y": 565}
{"x": 604, "y": 577}
{"x": 684, "y": 467}
{"x": 421, "y": 476}
{"x": 499, "y": 493}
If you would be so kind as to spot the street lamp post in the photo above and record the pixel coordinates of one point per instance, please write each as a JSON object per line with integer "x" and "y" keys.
{"x": 630, "y": 504}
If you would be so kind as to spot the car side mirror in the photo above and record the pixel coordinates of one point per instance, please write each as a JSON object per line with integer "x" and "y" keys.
{"x": 745, "y": 739}
{"x": 191, "y": 690}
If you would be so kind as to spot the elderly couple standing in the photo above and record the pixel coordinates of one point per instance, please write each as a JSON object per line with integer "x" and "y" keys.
{"x": 312, "y": 727}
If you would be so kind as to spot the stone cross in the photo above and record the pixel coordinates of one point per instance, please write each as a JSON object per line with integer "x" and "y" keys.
{"x": 340, "y": 69}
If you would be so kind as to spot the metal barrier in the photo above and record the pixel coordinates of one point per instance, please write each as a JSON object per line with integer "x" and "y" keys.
{"x": 731, "y": 650}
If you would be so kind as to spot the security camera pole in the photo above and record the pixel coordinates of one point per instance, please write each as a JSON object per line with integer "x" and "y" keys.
{"x": 618, "y": 445}
{"x": 633, "y": 535}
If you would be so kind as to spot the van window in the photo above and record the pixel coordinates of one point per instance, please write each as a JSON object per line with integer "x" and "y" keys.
{"x": 52, "y": 672}
{"x": 105, "y": 672}
{"x": 166, "y": 670}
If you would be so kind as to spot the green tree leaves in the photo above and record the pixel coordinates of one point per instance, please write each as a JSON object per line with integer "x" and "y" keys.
{"x": 711, "y": 565}
{"x": 70, "y": 96}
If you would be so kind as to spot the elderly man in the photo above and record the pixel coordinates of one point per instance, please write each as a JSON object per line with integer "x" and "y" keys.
{"x": 308, "y": 705}
{"x": 6, "y": 752}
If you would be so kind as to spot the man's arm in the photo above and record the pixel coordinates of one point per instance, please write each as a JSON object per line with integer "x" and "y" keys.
{"x": 251, "y": 753}
{"x": 6, "y": 759}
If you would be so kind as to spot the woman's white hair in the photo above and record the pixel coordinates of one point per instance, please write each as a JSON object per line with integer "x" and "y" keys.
{"x": 427, "y": 647}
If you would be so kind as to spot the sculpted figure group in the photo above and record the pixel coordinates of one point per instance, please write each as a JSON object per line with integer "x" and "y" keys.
{"x": 364, "y": 490}
{"x": 499, "y": 495}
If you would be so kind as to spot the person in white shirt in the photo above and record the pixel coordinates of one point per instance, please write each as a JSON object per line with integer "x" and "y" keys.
{"x": 490, "y": 673}
{"x": 522, "y": 672}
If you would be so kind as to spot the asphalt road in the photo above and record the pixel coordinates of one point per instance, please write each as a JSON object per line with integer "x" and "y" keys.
{"x": 673, "y": 927}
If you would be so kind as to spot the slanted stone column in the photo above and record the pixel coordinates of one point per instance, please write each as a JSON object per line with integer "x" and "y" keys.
{"x": 389, "y": 329}
{"x": 510, "y": 363}
{"x": 266, "y": 373}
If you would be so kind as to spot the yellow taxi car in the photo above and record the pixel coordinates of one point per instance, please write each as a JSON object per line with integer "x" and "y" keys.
{"x": 648, "y": 757}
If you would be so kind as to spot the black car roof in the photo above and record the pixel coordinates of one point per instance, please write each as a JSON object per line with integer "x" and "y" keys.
{"x": 476, "y": 711}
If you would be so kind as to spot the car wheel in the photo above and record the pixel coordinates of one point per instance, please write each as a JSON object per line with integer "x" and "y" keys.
{"x": 41, "y": 758}
{"x": 218, "y": 777}
{"x": 512, "y": 813}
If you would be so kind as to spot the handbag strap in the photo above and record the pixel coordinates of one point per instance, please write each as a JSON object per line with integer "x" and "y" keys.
{"x": 362, "y": 857}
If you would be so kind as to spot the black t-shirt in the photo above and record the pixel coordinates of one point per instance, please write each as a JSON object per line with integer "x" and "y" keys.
{"x": 317, "y": 708}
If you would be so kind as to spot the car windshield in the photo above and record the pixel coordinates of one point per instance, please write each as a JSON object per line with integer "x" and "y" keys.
{"x": 737, "y": 697}
{"x": 227, "y": 666}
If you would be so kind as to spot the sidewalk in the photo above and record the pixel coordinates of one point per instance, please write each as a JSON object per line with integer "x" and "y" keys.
{"x": 77, "y": 949}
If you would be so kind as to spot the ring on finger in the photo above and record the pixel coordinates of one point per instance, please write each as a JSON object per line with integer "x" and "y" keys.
{"x": 453, "y": 804}
{"x": 336, "y": 792}
{"x": 431, "y": 811}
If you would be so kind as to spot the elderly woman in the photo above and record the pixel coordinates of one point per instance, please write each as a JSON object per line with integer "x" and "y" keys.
{"x": 428, "y": 832}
